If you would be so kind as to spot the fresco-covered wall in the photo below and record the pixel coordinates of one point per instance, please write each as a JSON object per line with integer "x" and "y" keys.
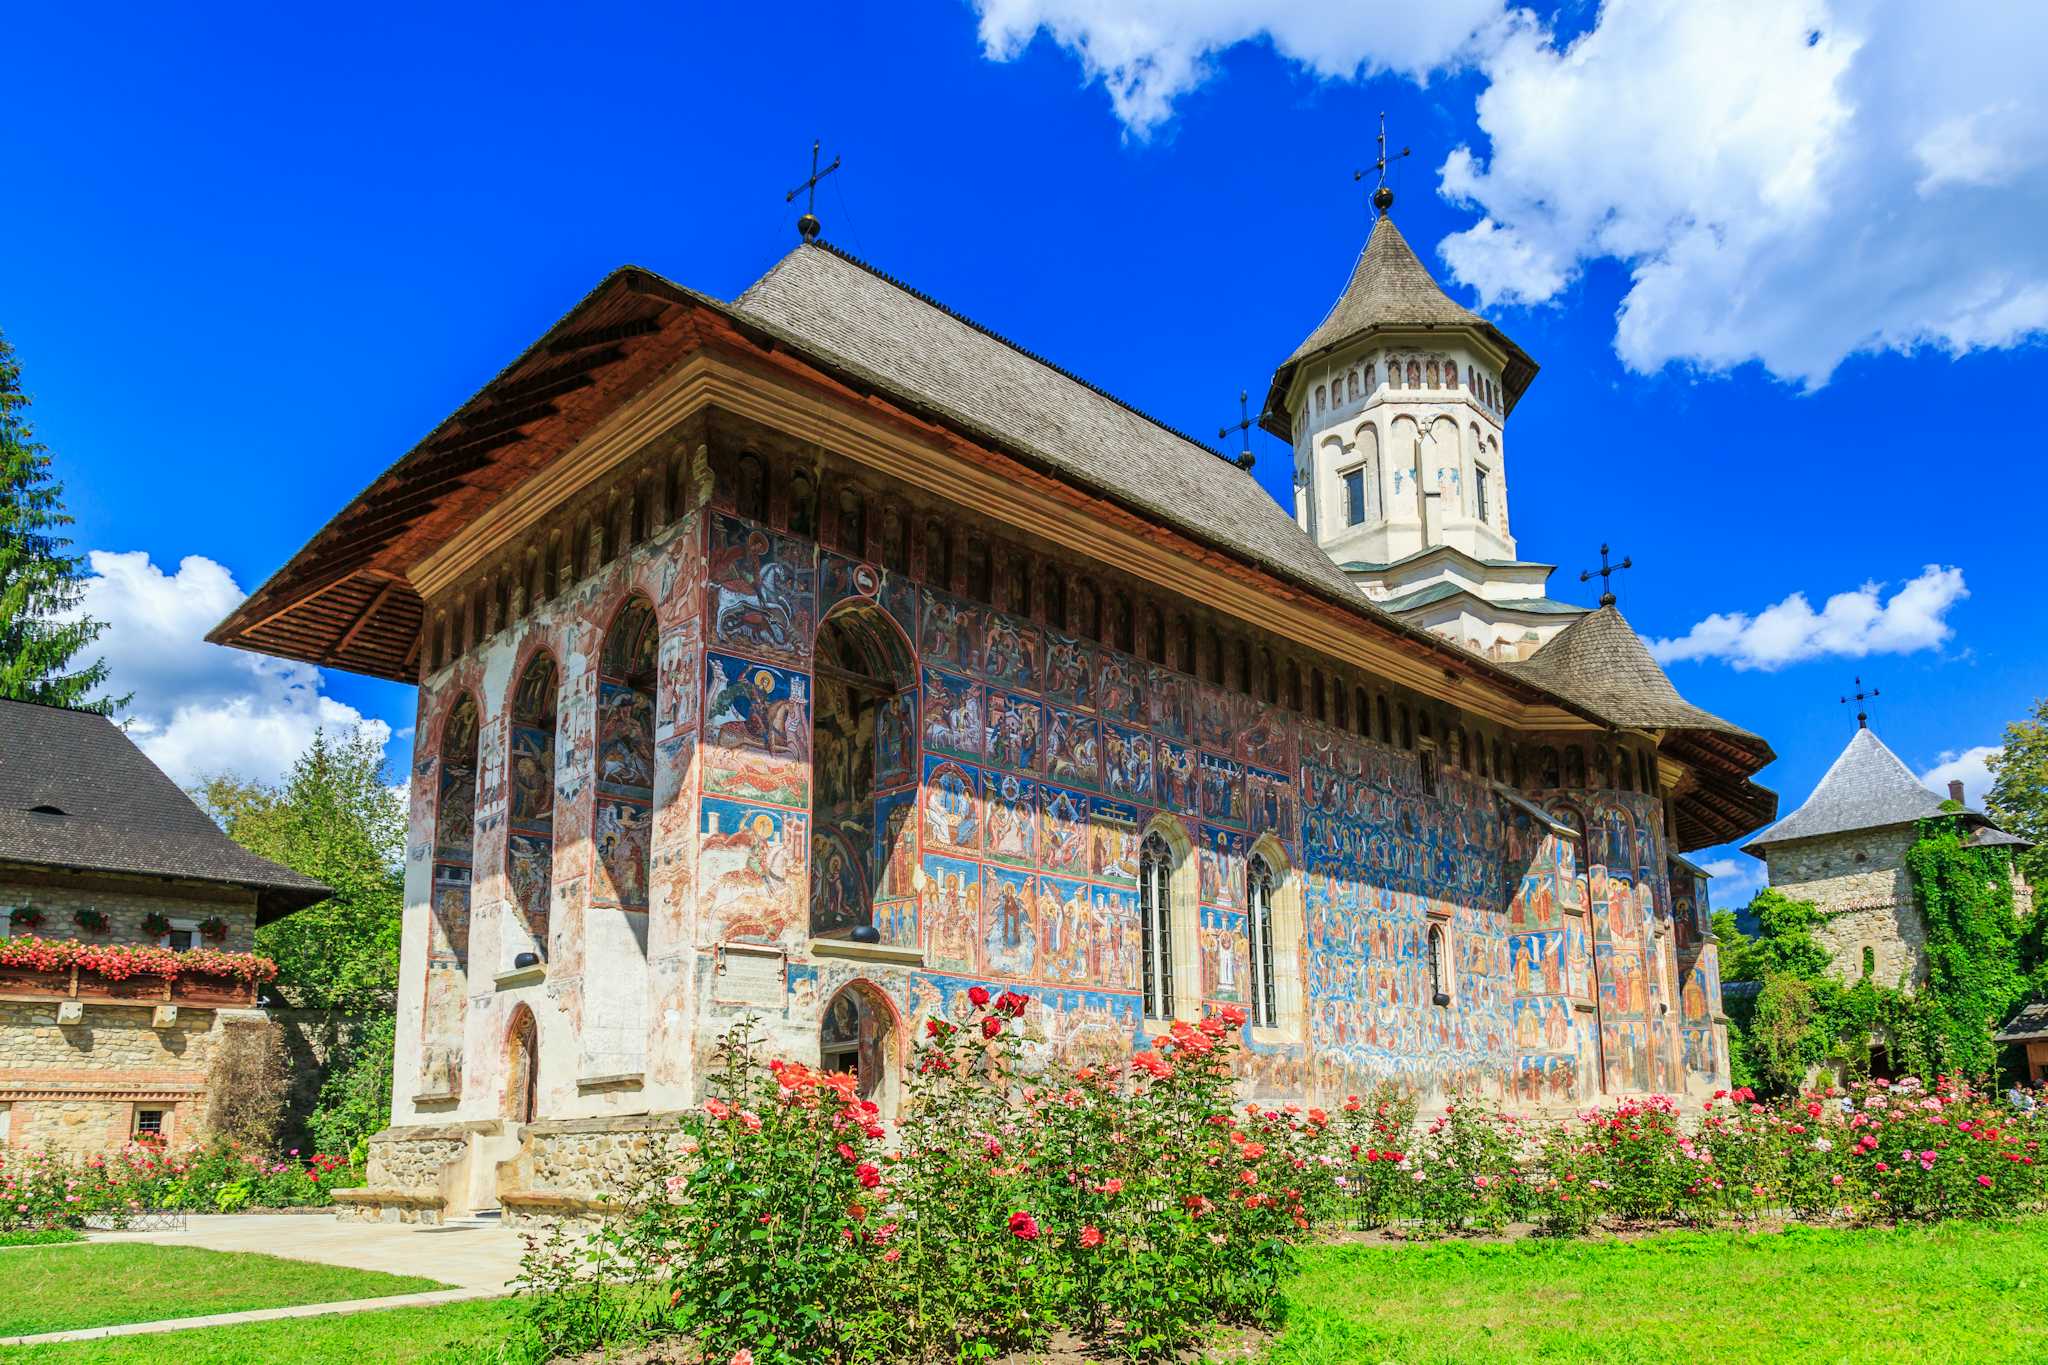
{"x": 835, "y": 744}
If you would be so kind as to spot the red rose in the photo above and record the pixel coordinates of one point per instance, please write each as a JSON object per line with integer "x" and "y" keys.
{"x": 868, "y": 1174}
{"x": 991, "y": 1026}
{"x": 978, "y": 996}
{"x": 1091, "y": 1237}
{"x": 1023, "y": 1226}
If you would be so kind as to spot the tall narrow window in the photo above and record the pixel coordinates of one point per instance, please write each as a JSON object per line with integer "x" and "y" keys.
{"x": 1438, "y": 995}
{"x": 1354, "y": 497}
{"x": 1259, "y": 925}
{"x": 1155, "y": 925}
{"x": 1480, "y": 502}
{"x": 622, "y": 821}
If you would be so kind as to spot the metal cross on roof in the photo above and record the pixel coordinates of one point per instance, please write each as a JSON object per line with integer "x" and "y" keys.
{"x": 1606, "y": 572}
{"x": 1244, "y": 424}
{"x": 808, "y": 227}
{"x": 1862, "y": 716}
{"x": 1382, "y": 197}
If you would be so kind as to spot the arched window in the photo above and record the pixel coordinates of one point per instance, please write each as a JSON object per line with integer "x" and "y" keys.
{"x": 852, "y": 524}
{"x": 1431, "y": 372}
{"x": 1320, "y": 394}
{"x": 1318, "y": 706}
{"x": 1546, "y": 767}
{"x": 1439, "y": 989}
{"x": 1259, "y": 926}
{"x": 1213, "y": 652}
{"x": 1470, "y": 380}
{"x": 1603, "y": 766}
{"x": 750, "y": 497}
{"x": 1351, "y": 385}
{"x": 1155, "y": 925}
{"x": 1088, "y": 613}
{"x": 622, "y": 827}
{"x": 1184, "y": 637}
{"x": 530, "y": 807}
{"x": 1414, "y": 374}
{"x": 1450, "y": 373}
{"x": 1293, "y": 686}
{"x": 1155, "y": 634}
{"x": 1361, "y": 713}
{"x": 1385, "y": 734}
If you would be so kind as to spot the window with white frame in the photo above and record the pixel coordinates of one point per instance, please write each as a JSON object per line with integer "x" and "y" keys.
{"x": 1439, "y": 968}
{"x": 1482, "y": 503}
{"x": 1354, "y": 496}
{"x": 183, "y": 934}
{"x": 1259, "y": 927}
{"x": 1155, "y": 925}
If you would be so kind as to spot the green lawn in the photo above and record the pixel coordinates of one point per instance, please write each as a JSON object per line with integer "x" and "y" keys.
{"x": 59, "y": 1288}
{"x": 1958, "y": 1292}
{"x": 450, "y": 1332}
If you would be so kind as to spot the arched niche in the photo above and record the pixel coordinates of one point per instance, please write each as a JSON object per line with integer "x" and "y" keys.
{"x": 521, "y": 1097}
{"x": 864, "y": 778}
{"x": 530, "y": 806}
{"x": 622, "y": 823}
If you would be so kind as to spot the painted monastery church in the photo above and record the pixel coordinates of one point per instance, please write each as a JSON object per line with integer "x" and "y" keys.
{"x": 819, "y": 654}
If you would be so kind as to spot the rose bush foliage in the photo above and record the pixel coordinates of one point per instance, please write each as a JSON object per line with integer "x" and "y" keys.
{"x": 1138, "y": 1203}
{"x": 41, "y": 1189}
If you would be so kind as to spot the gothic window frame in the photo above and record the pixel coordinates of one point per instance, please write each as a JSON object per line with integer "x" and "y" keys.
{"x": 1169, "y": 945}
{"x": 1437, "y": 946}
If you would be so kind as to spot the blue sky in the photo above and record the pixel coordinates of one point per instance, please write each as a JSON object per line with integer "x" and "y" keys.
{"x": 1780, "y": 264}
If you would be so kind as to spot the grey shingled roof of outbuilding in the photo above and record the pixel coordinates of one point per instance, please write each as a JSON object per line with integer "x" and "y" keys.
{"x": 115, "y": 811}
{"x": 1867, "y": 787}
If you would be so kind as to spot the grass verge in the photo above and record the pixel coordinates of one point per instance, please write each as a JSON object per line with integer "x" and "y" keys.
{"x": 1959, "y": 1291}
{"x": 103, "y": 1283}
{"x": 40, "y": 1237}
{"x": 465, "y": 1333}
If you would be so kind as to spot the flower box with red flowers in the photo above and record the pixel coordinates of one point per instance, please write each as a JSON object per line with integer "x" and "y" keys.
{"x": 127, "y": 971}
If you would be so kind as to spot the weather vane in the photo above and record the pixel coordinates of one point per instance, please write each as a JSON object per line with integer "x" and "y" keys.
{"x": 1244, "y": 424}
{"x": 1862, "y": 716}
{"x": 1606, "y": 572}
{"x": 808, "y": 226}
{"x": 1382, "y": 197}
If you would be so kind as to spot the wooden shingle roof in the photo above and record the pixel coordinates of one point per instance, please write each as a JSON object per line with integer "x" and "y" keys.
{"x": 76, "y": 794}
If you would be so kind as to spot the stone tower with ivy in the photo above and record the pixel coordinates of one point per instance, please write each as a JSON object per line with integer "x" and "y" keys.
{"x": 1846, "y": 849}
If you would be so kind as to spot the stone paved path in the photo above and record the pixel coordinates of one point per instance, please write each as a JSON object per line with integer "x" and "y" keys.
{"x": 477, "y": 1262}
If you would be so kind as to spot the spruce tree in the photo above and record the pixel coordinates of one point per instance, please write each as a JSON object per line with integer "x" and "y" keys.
{"x": 40, "y": 588}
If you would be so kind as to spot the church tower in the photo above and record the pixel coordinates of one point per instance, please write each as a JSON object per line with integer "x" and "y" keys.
{"x": 1395, "y": 407}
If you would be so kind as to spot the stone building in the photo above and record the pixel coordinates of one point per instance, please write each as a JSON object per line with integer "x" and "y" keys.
{"x": 97, "y": 845}
{"x": 818, "y": 655}
{"x": 1845, "y": 850}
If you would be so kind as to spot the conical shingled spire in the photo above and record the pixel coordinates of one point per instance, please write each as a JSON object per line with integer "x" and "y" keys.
{"x": 1390, "y": 289}
{"x": 1867, "y": 787}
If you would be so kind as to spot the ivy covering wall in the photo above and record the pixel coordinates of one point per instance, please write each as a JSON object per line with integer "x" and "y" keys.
{"x": 1982, "y": 963}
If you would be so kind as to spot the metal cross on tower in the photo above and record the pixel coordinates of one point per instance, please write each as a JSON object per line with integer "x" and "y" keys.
{"x": 1382, "y": 197}
{"x": 808, "y": 227}
{"x": 1862, "y": 716}
{"x": 1606, "y": 572}
{"x": 1244, "y": 424}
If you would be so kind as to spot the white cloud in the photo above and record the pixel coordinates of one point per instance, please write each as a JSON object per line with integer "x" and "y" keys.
{"x": 1737, "y": 879}
{"x": 200, "y": 709}
{"x": 1148, "y": 53}
{"x": 1785, "y": 181}
{"x": 1968, "y": 765}
{"x": 1849, "y": 625}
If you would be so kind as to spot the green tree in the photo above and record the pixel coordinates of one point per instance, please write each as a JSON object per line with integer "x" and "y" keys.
{"x": 335, "y": 818}
{"x": 2019, "y": 788}
{"x": 40, "y": 588}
